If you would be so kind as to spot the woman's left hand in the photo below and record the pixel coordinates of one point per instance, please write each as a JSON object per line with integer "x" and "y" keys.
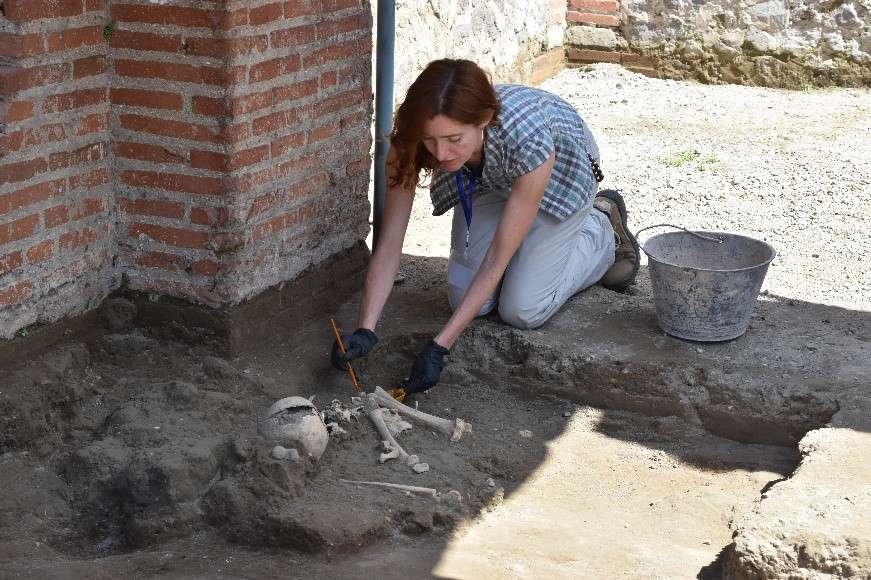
{"x": 427, "y": 368}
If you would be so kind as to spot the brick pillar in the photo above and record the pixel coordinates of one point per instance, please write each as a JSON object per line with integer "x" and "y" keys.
{"x": 205, "y": 150}
{"x": 242, "y": 141}
{"x": 56, "y": 223}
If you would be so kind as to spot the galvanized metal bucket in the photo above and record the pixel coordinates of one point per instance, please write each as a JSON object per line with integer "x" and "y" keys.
{"x": 705, "y": 284}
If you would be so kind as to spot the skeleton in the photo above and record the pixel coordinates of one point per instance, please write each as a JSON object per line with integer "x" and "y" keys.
{"x": 392, "y": 449}
{"x": 455, "y": 429}
{"x": 452, "y": 496}
{"x": 294, "y": 422}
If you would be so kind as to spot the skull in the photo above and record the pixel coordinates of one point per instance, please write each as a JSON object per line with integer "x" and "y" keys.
{"x": 295, "y": 422}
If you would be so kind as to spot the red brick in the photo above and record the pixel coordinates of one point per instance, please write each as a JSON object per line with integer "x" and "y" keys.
{"x": 295, "y": 91}
{"x": 329, "y": 79}
{"x": 331, "y": 28}
{"x": 248, "y": 157}
{"x": 92, "y": 124}
{"x": 186, "y": 73}
{"x": 357, "y": 167}
{"x": 638, "y": 60}
{"x": 24, "y": 10}
{"x": 283, "y": 145}
{"x": 74, "y": 100}
{"x": 31, "y": 195}
{"x": 167, "y": 128}
{"x": 237, "y": 133}
{"x": 22, "y": 171}
{"x": 283, "y": 222}
{"x": 74, "y": 38}
{"x": 225, "y": 47}
{"x": 76, "y": 239}
{"x": 56, "y": 216}
{"x": 293, "y": 36}
{"x": 149, "y": 99}
{"x": 144, "y": 152}
{"x": 209, "y": 216}
{"x": 210, "y": 160}
{"x": 21, "y": 45}
{"x": 598, "y": 5}
{"x": 336, "y": 5}
{"x": 295, "y": 8}
{"x": 95, "y": 5}
{"x": 287, "y": 194}
{"x": 145, "y": 41}
{"x": 173, "y": 182}
{"x": 274, "y": 68}
{"x": 18, "y": 229}
{"x": 322, "y": 133}
{"x": 80, "y": 156}
{"x": 205, "y": 268}
{"x": 250, "y": 103}
{"x": 333, "y": 52}
{"x": 89, "y": 67}
{"x": 589, "y": 18}
{"x": 16, "y": 293}
{"x": 90, "y": 206}
{"x": 336, "y": 103}
{"x": 161, "y": 260}
{"x": 165, "y": 15}
{"x": 275, "y": 121}
{"x": 208, "y": 106}
{"x": 265, "y": 14}
{"x": 9, "y": 262}
{"x": 90, "y": 180}
{"x": 13, "y": 80}
{"x": 40, "y": 252}
{"x": 152, "y": 207}
{"x": 233, "y": 19}
{"x": 170, "y": 236}
{"x": 18, "y": 111}
{"x": 578, "y": 55}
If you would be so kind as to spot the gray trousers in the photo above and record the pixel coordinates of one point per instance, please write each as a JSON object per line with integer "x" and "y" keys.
{"x": 555, "y": 261}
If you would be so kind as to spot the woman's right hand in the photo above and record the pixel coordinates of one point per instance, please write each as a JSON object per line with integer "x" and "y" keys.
{"x": 357, "y": 345}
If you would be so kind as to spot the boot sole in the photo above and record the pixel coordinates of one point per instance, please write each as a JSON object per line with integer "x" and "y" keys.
{"x": 621, "y": 207}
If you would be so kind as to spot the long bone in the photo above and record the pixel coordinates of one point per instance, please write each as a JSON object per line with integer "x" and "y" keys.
{"x": 455, "y": 429}
{"x": 393, "y": 450}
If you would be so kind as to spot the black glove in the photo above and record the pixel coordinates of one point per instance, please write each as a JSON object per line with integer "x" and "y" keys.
{"x": 427, "y": 368}
{"x": 356, "y": 345}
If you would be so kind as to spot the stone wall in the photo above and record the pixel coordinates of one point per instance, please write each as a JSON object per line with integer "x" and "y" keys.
{"x": 198, "y": 149}
{"x": 779, "y": 43}
{"x": 515, "y": 40}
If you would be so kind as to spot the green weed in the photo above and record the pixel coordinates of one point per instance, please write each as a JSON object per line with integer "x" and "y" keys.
{"x": 679, "y": 159}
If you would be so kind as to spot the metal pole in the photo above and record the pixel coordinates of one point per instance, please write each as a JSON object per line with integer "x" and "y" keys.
{"x": 384, "y": 49}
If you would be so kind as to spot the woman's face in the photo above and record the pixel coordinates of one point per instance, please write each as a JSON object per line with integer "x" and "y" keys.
{"x": 453, "y": 143}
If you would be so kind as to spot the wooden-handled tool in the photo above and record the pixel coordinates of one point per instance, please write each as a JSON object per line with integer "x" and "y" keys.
{"x": 357, "y": 388}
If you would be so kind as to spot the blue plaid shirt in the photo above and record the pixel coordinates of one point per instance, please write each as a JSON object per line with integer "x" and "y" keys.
{"x": 532, "y": 125}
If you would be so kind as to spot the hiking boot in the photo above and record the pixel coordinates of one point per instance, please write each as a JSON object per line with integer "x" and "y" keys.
{"x": 622, "y": 274}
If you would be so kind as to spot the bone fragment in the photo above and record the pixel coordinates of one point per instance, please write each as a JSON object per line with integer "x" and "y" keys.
{"x": 409, "y": 488}
{"x": 455, "y": 429}
{"x": 393, "y": 450}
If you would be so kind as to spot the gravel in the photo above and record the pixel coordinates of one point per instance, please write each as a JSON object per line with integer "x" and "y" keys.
{"x": 788, "y": 167}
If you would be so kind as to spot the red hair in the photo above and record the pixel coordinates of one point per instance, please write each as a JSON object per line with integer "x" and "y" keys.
{"x": 458, "y": 89}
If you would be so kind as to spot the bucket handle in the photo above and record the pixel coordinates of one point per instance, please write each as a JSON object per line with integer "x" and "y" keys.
{"x": 707, "y": 238}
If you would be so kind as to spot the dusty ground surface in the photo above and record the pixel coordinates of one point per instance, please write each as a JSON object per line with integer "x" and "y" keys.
{"x": 602, "y": 448}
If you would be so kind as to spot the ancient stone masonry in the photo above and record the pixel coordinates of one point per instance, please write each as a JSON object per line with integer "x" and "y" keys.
{"x": 769, "y": 42}
{"x": 515, "y": 40}
{"x": 200, "y": 149}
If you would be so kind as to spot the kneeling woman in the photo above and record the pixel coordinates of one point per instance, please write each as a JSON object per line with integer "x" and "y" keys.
{"x": 520, "y": 168}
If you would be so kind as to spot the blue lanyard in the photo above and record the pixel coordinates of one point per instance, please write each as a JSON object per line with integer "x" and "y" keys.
{"x": 466, "y": 199}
